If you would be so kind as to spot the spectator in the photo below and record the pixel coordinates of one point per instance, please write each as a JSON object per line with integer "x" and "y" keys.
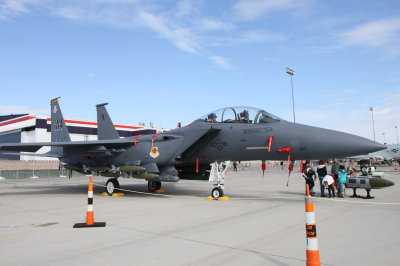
{"x": 329, "y": 183}
{"x": 235, "y": 166}
{"x": 334, "y": 170}
{"x": 308, "y": 174}
{"x": 341, "y": 181}
{"x": 321, "y": 170}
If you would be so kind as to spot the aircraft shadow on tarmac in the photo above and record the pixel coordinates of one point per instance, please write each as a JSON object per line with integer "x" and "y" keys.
{"x": 19, "y": 188}
{"x": 138, "y": 191}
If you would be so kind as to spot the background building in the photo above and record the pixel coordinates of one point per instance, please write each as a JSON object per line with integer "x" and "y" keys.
{"x": 22, "y": 128}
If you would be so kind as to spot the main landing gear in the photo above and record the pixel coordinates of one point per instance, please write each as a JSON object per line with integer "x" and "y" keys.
{"x": 112, "y": 186}
{"x": 153, "y": 185}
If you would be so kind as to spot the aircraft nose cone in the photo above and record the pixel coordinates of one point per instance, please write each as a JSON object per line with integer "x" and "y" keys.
{"x": 332, "y": 143}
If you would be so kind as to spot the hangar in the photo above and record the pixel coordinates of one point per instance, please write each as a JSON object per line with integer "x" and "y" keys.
{"x": 22, "y": 128}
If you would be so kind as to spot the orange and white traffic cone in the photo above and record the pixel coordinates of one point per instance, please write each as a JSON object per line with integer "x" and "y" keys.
{"x": 90, "y": 213}
{"x": 311, "y": 232}
{"x": 395, "y": 167}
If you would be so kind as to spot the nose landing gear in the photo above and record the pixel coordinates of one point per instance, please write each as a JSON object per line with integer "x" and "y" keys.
{"x": 217, "y": 174}
{"x": 112, "y": 186}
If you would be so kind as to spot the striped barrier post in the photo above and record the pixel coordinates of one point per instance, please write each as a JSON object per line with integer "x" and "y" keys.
{"x": 90, "y": 212}
{"x": 311, "y": 232}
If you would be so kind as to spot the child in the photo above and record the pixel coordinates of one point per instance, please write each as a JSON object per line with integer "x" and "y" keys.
{"x": 341, "y": 181}
{"x": 328, "y": 183}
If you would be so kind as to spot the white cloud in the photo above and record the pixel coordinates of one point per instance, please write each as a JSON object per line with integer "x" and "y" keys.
{"x": 180, "y": 37}
{"x": 381, "y": 34}
{"x": 183, "y": 25}
{"x": 71, "y": 13}
{"x": 247, "y": 37}
{"x": 252, "y": 9}
{"x": 13, "y": 8}
{"x": 213, "y": 25}
{"x": 254, "y": 36}
{"x": 220, "y": 61}
{"x": 188, "y": 7}
{"x": 376, "y": 33}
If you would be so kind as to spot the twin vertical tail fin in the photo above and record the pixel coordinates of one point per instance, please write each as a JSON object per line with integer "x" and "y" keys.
{"x": 59, "y": 130}
{"x": 105, "y": 127}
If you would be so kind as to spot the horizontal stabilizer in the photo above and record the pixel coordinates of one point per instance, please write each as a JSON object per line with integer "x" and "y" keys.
{"x": 93, "y": 146}
{"x": 47, "y": 154}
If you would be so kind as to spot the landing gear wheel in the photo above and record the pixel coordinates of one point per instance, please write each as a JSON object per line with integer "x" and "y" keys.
{"x": 112, "y": 186}
{"x": 217, "y": 192}
{"x": 152, "y": 185}
{"x": 158, "y": 186}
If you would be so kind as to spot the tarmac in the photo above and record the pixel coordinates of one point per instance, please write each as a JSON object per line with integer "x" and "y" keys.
{"x": 263, "y": 223}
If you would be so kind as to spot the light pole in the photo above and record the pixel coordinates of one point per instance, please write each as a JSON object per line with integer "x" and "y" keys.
{"x": 373, "y": 126}
{"x": 384, "y": 140}
{"x": 397, "y": 136}
{"x": 291, "y": 73}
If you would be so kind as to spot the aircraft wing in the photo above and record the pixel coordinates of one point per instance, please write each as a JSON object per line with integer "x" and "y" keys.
{"x": 360, "y": 157}
{"x": 93, "y": 146}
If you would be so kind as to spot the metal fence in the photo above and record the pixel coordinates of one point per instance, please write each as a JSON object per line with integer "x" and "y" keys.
{"x": 21, "y": 174}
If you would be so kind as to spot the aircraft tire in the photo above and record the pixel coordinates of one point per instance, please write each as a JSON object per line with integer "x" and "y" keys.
{"x": 152, "y": 185}
{"x": 112, "y": 186}
{"x": 217, "y": 192}
{"x": 158, "y": 186}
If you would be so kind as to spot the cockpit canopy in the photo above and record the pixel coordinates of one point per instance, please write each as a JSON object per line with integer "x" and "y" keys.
{"x": 240, "y": 114}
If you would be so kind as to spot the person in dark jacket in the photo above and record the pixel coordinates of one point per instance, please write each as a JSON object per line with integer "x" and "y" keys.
{"x": 235, "y": 166}
{"x": 335, "y": 170}
{"x": 322, "y": 172}
{"x": 308, "y": 174}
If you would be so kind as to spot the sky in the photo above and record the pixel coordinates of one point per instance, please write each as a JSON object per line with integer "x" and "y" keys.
{"x": 175, "y": 61}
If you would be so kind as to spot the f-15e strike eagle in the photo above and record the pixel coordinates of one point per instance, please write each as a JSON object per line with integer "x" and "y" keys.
{"x": 228, "y": 134}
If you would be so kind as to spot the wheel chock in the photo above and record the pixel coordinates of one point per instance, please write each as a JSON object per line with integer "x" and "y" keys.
{"x": 117, "y": 194}
{"x": 160, "y": 190}
{"x": 104, "y": 194}
{"x": 209, "y": 198}
{"x": 223, "y": 198}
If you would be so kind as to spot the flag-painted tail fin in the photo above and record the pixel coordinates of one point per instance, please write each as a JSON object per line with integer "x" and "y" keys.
{"x": 59, "y": 130}
{"x": 105, "y": 127}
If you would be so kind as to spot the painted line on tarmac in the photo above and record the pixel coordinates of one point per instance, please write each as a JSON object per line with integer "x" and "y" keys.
{"x": 360, "y": 202}
{"x": 318, "y": 198}
{"x": 25, "y": 233}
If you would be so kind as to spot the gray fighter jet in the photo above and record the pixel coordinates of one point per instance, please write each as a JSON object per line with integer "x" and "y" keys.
{"x": 391, "y": 153}
{"x": 228, "y": 134}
